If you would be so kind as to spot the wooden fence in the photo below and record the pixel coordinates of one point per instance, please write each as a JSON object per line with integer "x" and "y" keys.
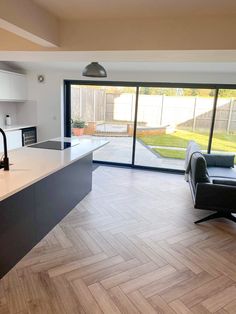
{"x": 92, "y": 104}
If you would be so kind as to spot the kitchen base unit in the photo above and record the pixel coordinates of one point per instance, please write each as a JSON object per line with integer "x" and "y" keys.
{"x": 27, "y": 216}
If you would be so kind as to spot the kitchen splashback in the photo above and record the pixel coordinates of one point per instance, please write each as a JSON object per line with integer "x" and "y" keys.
{"x": 8, "y": 108}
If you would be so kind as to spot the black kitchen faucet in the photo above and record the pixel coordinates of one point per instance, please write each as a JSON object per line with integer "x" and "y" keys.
{"x": 4, "y": 163}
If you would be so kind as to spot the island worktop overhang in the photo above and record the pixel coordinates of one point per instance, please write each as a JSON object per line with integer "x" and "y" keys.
{"x": 30, "y": 165}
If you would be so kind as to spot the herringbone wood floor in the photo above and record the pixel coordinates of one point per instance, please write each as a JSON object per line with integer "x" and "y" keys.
{"x": 129, "y": 247}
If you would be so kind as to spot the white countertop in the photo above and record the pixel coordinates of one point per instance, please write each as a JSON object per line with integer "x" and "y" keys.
{"x": 16, "y": 127}
{"x": 30, "y": 165}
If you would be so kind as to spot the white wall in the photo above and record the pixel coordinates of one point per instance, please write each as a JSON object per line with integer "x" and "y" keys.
{"x": 46, "y": 101}
{"x": 26, "y": 113}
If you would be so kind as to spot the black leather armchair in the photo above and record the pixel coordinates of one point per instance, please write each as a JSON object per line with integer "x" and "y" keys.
{"x": 212, "y": 184}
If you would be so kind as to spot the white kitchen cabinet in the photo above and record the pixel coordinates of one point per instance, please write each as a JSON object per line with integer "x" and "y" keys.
{"x": 17, "y": 87}
{"x": 4, "y": 85}
{"x": 14, "y": 140}
{"x": 12, "y": 86}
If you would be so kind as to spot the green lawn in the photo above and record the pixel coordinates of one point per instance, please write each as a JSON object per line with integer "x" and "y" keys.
{"x": 177, "y": 139}
{"x": 180, "y": 138}
{"x": 178, "y": 154}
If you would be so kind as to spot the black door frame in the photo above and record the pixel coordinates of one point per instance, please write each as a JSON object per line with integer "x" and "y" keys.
{"x": 138, "y": 85}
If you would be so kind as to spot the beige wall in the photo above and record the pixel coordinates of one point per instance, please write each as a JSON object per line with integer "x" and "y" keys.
{"x": 208, "y": 33}
{"x": 150, "y": 34}
{"x": 29, "y": 21}
{"x": 12, "y": 42}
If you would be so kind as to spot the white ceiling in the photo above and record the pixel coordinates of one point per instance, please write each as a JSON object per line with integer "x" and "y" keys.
{"x": 120, "y": 9}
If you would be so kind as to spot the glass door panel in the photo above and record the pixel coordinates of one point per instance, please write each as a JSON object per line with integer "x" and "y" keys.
{"x": 224, "y": 136}
{"x": 106, "y": 112}
{"x": 168, "y": 118}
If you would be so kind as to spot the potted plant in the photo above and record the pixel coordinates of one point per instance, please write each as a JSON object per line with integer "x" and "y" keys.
{"x": 78, "y": 127}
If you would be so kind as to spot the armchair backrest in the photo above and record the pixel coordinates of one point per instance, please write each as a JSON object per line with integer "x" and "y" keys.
{"x": 191, "y": 148}
{"x": 195, "y": 163}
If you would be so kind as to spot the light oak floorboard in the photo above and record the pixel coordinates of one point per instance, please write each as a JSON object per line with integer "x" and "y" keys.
{"x": 129, "y": 247}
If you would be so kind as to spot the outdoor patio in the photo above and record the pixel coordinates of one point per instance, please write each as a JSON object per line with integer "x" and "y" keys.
{"x": 119, "y": 150}
{"x": 164, "y": 124}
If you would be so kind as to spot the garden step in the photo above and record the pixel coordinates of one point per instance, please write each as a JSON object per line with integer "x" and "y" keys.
{"x": 115, "y": 134}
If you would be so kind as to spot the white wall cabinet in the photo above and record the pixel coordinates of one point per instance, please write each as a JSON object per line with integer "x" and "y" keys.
{"x": 12, "y": 86}
{"x": 14, "y": 140}
{"x": 18, "y": 87}
{"x": 4, "y": 85}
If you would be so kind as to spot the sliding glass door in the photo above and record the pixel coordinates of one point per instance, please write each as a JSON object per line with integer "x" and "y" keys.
{"x": 105, "y": 112}
{"x": 148, "y": 125}
{"x": 168, "y": 118}
{"x": 224, "y": 136}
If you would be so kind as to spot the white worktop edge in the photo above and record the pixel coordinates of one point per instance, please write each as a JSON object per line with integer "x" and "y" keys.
{"x": 15, "y": 127}
{"x": 23, "y": 186}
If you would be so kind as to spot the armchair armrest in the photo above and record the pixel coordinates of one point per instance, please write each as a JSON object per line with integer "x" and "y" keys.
{"x": 215, "y": 197}
{"x": 224, "y": 182}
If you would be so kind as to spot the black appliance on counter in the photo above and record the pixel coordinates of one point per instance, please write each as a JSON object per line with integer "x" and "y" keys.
{"x": 55, "y": 145}
{"x": 29, "y": 136}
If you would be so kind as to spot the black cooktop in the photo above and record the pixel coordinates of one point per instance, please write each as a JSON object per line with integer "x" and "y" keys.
{"x": 56, "y": 145}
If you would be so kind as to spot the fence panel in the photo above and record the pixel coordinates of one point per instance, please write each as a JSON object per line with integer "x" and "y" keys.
{"x": 92, "y": 104}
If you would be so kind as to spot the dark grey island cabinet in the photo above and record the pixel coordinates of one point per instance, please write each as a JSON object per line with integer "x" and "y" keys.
{"x": 27, "y": 216}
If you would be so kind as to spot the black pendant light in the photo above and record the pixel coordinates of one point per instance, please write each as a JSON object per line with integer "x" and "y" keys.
{"x": 94, "y": 69}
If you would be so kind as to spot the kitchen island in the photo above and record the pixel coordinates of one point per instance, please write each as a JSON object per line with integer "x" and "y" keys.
{"x": 40, "y": 189}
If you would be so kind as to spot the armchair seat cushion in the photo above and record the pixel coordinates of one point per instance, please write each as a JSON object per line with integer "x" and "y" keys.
{"x": 217, "y": 172}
